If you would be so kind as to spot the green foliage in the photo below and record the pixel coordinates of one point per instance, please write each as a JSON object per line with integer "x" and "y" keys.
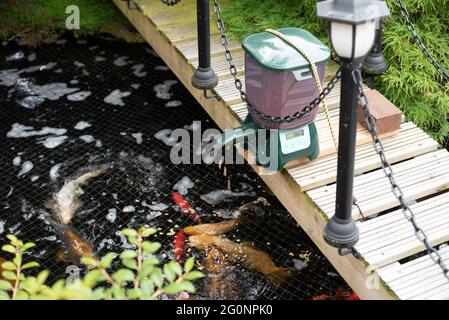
{"x": 411, "y": 82}
{"x": 139, "y": 277}
{"x": 51, "y": 15}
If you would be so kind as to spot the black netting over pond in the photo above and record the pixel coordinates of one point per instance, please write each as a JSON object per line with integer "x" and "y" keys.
{"x": 78, "y": 105}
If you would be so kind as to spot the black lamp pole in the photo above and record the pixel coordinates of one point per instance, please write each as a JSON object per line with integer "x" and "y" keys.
{"x": 204, "y": 77}
{"x": 374, "y": 63}
{"x": 353, "y": 30}
{"x": 341, "y": 231}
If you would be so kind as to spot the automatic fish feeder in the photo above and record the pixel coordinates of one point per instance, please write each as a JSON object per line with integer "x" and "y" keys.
{"x": 279, "y": 83}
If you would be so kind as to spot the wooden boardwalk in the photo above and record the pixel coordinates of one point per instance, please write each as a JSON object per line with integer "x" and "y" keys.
{"x": 392, "y": 264}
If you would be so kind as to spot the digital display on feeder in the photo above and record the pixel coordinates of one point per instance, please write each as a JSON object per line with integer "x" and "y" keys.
{"x": 293, "y": 135}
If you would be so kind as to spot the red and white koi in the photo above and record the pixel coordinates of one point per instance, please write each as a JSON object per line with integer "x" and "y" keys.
{"x": 179, "y": 246}
{"x": 185, "y": 206}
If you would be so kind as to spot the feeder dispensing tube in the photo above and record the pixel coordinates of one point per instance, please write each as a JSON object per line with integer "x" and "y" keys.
{"x": 204, "y": 77}
{"x": 341, "y": 231}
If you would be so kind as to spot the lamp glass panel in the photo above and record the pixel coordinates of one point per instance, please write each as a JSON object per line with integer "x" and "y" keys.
{"x": 343, "y": 41}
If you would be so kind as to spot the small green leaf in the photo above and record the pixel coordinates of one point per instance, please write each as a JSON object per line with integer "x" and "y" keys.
{"x": 157, "y": 277}
{"x": 4, "y": 296}
{"x": 193, "y": 275}
{"x": 177, "y": 287}
{"x": 128, "y": 254}
{"x": 9, "y": 248}
{"x": 107, "y": 260}
{"x": 150, "y": 261}
{"x": 29, "y": 265}
{"x": 130, "y": 263}
{"x": 145, "y": 271}
{"x": 8, "y": 275}
{"x": 129, "y": 232}
{"x": 174, "y": 267}
{"x": 188, "y": 265}
{"x": 134, "y": 293}
{"x": 132, "y": 240}
{"x": 42, "y": 277}
{"x": 92, "y": 278}
{"x": 150, "y": 247}
{"x": 28, "y": 245}
{"x": 22, "y": 295}
{"x": 17, "y": 260}
{"x": 146, "y": 232}
{"x": 12, "y": 238}
{"x": 5, "y": 285}
{"x": 123, "y": 275}
{"x": 89, "y": 261}
{"x": 147, "y": 286}
{"x": 8, "y": 265}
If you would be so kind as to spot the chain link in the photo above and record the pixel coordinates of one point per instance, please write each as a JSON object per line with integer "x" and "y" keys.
{"x": 239, "y": 85}
{"x": 420, "y": 42}
{"x": 170, "y": 2}
{"x": 406, "y": 210}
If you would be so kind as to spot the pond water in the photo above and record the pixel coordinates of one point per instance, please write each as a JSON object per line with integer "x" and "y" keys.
{"x": 75, "y": 106}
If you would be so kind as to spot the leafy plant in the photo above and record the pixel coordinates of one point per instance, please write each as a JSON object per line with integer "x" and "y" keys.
{"x": 139, "y": 277}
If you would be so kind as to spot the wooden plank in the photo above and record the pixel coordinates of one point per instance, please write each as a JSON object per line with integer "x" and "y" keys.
{"x": 282, "y": 184}
{"x": 419, "y": 177}
{"x": 418, "y": 279}
{"x": 391, "y": 237}
{"x": 323, "y": 171}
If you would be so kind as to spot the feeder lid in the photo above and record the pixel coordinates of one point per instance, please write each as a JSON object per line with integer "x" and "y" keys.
{"x": 273, "y": 53}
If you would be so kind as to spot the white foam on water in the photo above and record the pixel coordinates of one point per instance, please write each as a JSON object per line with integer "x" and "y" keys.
{"x": 81, "y": 125}
{"x": 87, "y": 138}
{"x": 158, "y": 206}
{"x": 218, "y": 196}
{"x": 99, "y": 59}
{"x": 93, "y": 47}
{"x": 121, "y": 61}
{"x": 79, "y": 96}
{"x": 164, "y": 135}
{"x": 31, "y": 102}
{"x": 135, "y": 86}
{"x": 161, "y": 68}
{"x": 138, "y": 137}
{"x": 9, "y": 77}
{"x": 129, "y": 209}
{"x": 174, "y": 103}
{"x": 98, "y": 143}
{"x": 48, "y": 66}
{"x": 183, "y": 185}
{"x": 34, "y": 178}
{"x": 299, "y": 264}
{"x": 27, "y": 166}
{"x": 10, "y": 192}
{"x": 21, "y": 131}
{"x": 32, "y": 57}
{"x": 74, "y": 81}
{"x": 162, "y": 90}
{"x": 52, "y": 91}
{"x": 138, "y": 70}
{"x": 52, "y": 142}
{"x": 112, "y": 215}
{"x": 78, "y": 64}
{"x": 54, "y": 171}
{"x": 17, "y": 161}
{"x": 115, "y": 97}
{"x": 16, "y": 56}
{"x": 153, "y": 215}
{"x": 2, "y": 227}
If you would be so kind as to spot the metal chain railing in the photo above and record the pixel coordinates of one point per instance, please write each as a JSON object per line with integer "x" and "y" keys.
{"x": 239, "y": 85}
{"x": 407, "y": 211}
{"x": 420, "y": 42}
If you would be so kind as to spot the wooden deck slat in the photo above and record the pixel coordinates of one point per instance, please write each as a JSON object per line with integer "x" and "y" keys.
{"x": 419, "y": 177}
{"x": 323, "y": 171}
{"x": 173, "y": 36}
{"x": 418, "y": 279}
{"x": 390, "y": 238}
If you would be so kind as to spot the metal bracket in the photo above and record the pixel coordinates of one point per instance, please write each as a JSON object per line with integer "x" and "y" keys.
{"x": 135, "y": 7}
{"x": 345, "y": 251}
{"x": 213, "y": 96}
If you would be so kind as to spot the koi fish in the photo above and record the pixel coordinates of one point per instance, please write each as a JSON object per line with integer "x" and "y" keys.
{"x": 185, "y": 206}
{"x": 218, "y": 278}
{"x": 66, "y": 201}
{"x": 252, "y": 258}
{"x": 213, "y": 229}
{"x": 341, "y": 294}
{"x": 179, "y": 246}
{"x": 75, "y": 245}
